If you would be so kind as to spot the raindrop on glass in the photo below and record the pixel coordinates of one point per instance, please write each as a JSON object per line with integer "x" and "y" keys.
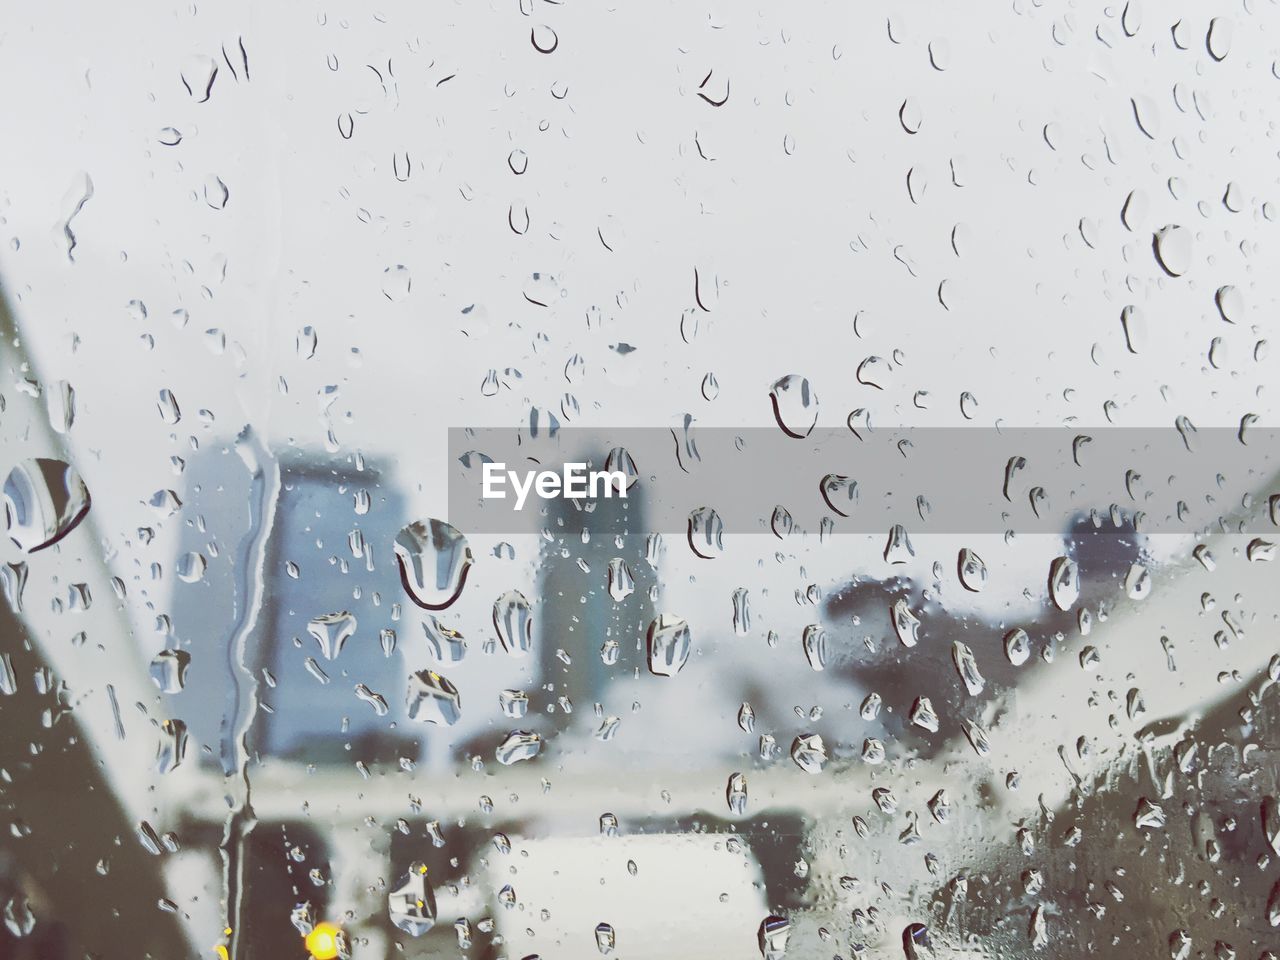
{"x": 433, "y": 558}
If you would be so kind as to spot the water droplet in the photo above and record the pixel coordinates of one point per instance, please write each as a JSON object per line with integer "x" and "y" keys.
{"x": 1134, "y": 212}
{"x": 513, "y": 619}
{"x": 216, "y": 193}
{"x": 197, "y": 74}
{"x": 809, "y": 753}
{"x": 669, "y": 645}
{"x": 795, "y": 405}
{"x": 1017, "y": 646}
{"x": 412, "y": 905}
{"x": 840, "y": 494}
{"x": 44, "y": 500}
{"x": 80, "y": 193}
{"x": 1260, "y": 551}
{"x": 872, "y": 751}
{"x": 1147, "y": 114}
{"x": 874, "y": 372}
{"x": 1131, "y": 18}
{"x": 190, "y": 567}
{"x": 446, "y": 644}
{"x": 967, "y": 666}
{"x": 396, "y": 282}
{"x": 1134, "y": 323}
{"x": 1038, "y": 930}
{"x": 620, "y": 461}
{"x": 331, "y": 631}
{"x": 1233, "y": 198}
{"x": 168, "y": 407}
{"x": 1218, "y": 38}
{"x": 772, "y": 937}
{"x": 544, "y": 39}
{"x": 1148, "y": 815}
{"x": 621, "y": 583}
{"x": 972, "y": 571}
{"x": 940, "y": 53}
{"x": 1172, "y": 246}
{"x": 815, "y": 646}
{"x": 18, "y": 918}
{"x": 905, "y": 623}
{"x": 1271, "y": 822}
{"x": 433, "y": 699}
{"x": 60, "y": 405}
{"x": 706, "y": 533}
{"x": 780, "y": 522}
{"x": 1273, "y": 910}
{"x": 172, "y": 746}
{"x": 519, "y": 745}
{"x": 741, "y": 612}
{"x": 916, "y": 944}
{"x": 1137, "y": 582}
{"x": 514, "y": 703}
{"x": 606, "y": 938}
{"x": 169, "y": 670}
{"x": 13, "y": 580}
{"x": 909, "y": 116}
{"x": 977, "y": 737}
{"x": 1064, "y": 583}
{"x": 1230, "y": 303}
{"x": 923, "y": 715}
{"x": 897, "y": 547}
{"x": 736, "y": 794}
{"x": 870, "y": 708}
{"x": 434, "y": 559}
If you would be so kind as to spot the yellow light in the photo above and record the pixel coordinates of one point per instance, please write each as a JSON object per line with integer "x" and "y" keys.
{"x": 322, "y": 941}
{"x": 221, "y": 951}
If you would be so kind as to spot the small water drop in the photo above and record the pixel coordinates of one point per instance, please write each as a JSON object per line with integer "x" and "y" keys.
{"x": 909, "y": 116}
{"x": 814, "y": 641}
{"x": 795, "y": 405}
{"x": 1064, "y": 583}
{"x": 331, "y": 631}
{"x": 412, "y": 905}
{"x": 432, "y": 698}
{"x": 971, "y": 570}
{"x": 519, "y": 745}
{"x": 1017, "y": 646}
{"x": 809, "y": 753}
{"x": 44, "y": 500}
{"x": 396, "y": 282}
{"x": 169, "y": 670}
{"x": 513, "y": 619}
{"x": 669, "y": 645}
{"x": 1172, "y": 246}
{"x": 905, "y": 623}
{"x": 433, "y": 558}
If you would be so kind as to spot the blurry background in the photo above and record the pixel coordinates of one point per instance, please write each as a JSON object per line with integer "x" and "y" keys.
{"x": 258, "y": 259}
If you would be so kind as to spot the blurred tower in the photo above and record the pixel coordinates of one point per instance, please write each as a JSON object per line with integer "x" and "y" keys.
{"x": 577, "y": 614}
{"x": 329, "y": 552}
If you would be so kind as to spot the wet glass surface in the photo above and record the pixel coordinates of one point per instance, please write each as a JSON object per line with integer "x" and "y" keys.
{"x": 927, "y": 606}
